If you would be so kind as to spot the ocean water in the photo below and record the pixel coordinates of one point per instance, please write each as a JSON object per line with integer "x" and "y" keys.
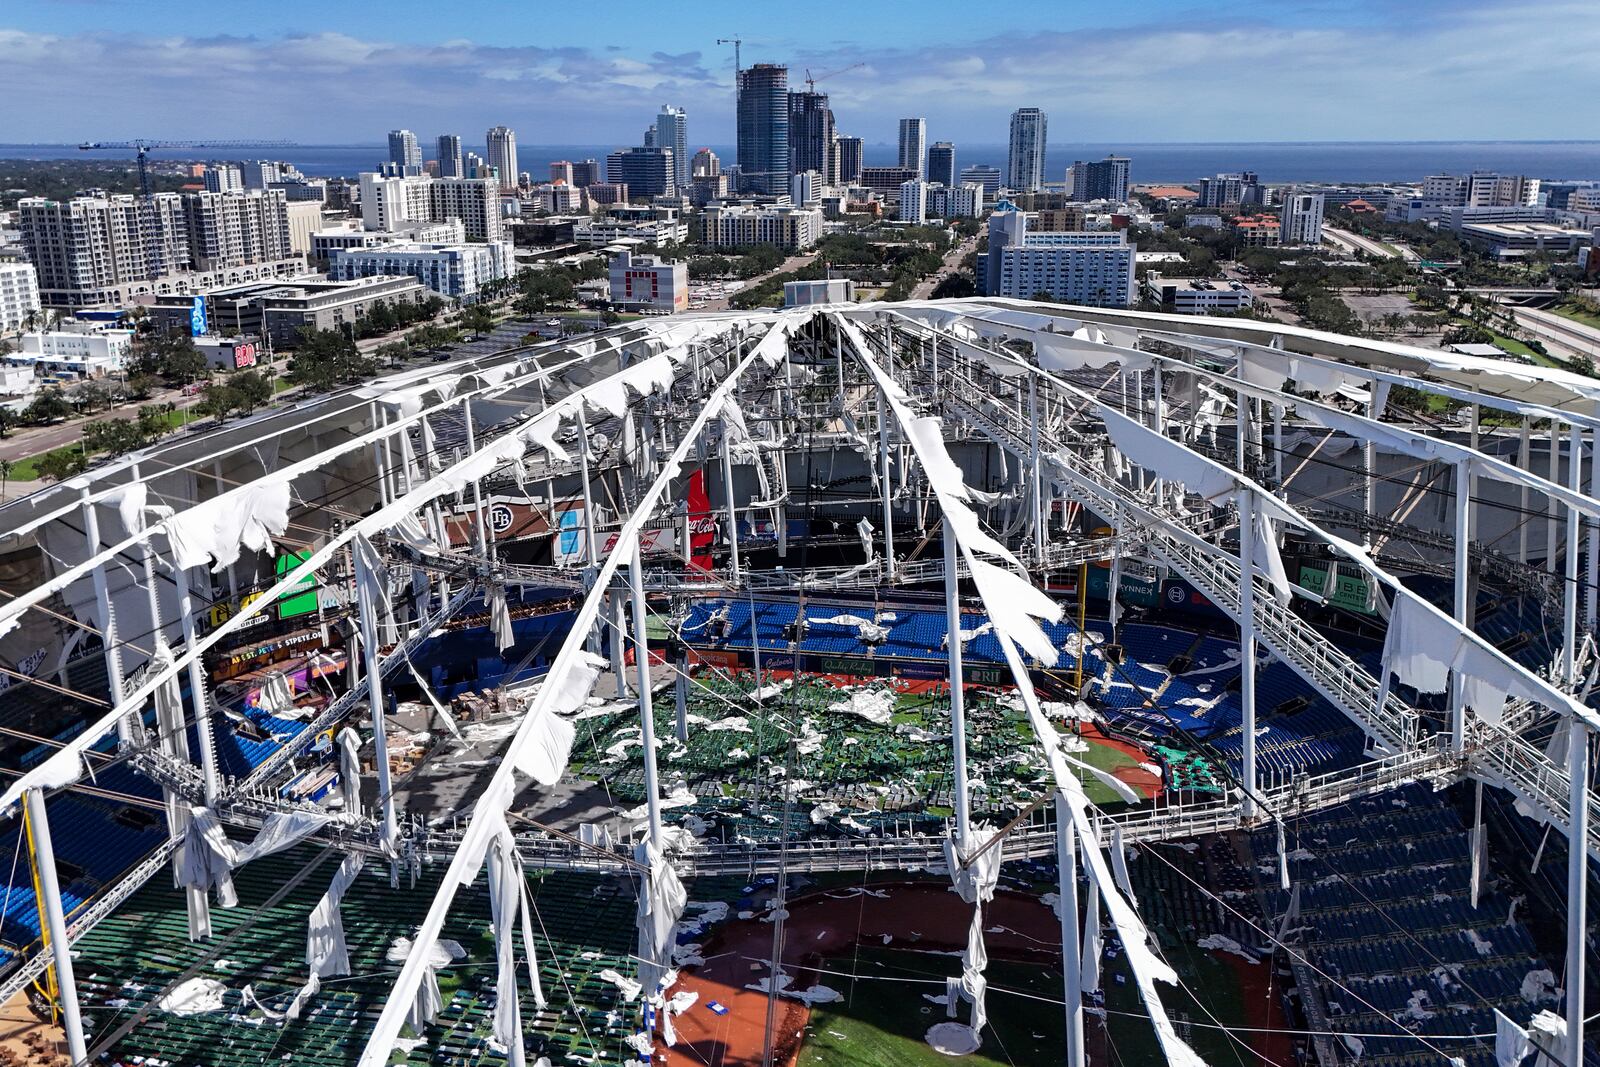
{"x": 1353, "y": 161}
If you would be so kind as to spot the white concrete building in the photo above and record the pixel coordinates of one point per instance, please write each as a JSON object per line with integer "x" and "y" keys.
{"x": 18, "y": 384}
{"x": 672, "y": 131}
{"x": 19, "y": 295}
{"x": 1301, "y": 219}
{"x": 223, "y": 178}
{"x": 83, "y": 355}
{"x": 647, "y": 283}
{"x": 389, "y": 203}
{"x": 784, "y": 225}
{"x": 502, "y": 142}
{"x": 1197, "y": 296}
{"x": 963, "y": 201}
{"x": 819, "y": 291}
{"x": 1076, "y": 267}
{"x": 601, "y": 232}
{"x": 456, "y": 271}
{"x": 913, "y": 202}
{"x": 914, "y": 146}
{"x": 805, "y": 187}
{"x": 1025, "y": 162}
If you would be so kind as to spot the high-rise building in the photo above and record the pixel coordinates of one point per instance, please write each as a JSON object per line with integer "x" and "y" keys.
{"x": 705, "y": 164}
{"x": 390, "y": 203}
{"x": 645, "y": 171}
{"x": 223, "y": 178}
{"x": 450, "y": 156}
{"x": 1104, "y": 179}
{"x": 1300, "y": 222}
{"x": 19, "y": 295}
{"x": 805, "y": 187}
{"x": 1230, "y": 190}
{"x": 811, "y": 135}
{"x": 236, "y": 229}
{"x": 850, "y": 159}
{"x": 913, "y": 201}
{"x": 561, "y": 171}
{"x": 763, "y": 129}
{"x": 502, "y": 143}
{"x": 886, "y": 180}
{"x": 672, "y": 131}
{"x": 1025, "y": 163}
{"x": 263, "y": 173}
{"x": 913, "y": 146}
{"x": 984, "y": 175}
{"x": 404, "y": 152}
{"x": 95, "y": 250}
{"x": 942, "y": 164}
{"x": 586, "y": 172}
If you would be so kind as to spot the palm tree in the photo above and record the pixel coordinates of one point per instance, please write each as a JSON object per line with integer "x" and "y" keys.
{"x": 6, "y": 467}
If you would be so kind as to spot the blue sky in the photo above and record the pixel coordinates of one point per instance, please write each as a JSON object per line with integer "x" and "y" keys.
{"x": 1230, "y": 70}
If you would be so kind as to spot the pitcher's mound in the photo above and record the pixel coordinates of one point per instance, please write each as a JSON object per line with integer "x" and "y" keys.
{"x": 953, "y": 1039}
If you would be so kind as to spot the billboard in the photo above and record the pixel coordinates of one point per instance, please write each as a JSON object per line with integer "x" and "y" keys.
{"x": 197, "y": 316}
{"x": 244, "y": 355}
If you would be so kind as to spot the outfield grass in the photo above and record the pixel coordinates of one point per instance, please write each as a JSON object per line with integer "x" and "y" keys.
{"x": 882, "y": 1023}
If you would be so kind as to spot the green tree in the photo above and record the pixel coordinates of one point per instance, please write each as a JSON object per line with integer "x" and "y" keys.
{"x": 478, "y": 318}
{"x": 6, "y": 467}
{"x": 49, "y": 406}
{"x": 221, "y": 399}
{"x": 327, "y": 358}
{"x": 182, "y": 363}
{"x": 253, "y": 388}
{"x": 62, "y": 464}
{"x": 955, "y": 285}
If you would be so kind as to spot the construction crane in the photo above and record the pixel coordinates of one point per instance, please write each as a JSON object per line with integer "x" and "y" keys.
{"x": 811, "y": 83}
{"x": 142, "y": 149}
{"x": 736, "y": 42}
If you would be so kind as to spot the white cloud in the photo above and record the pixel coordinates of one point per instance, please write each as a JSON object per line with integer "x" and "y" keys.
{"x": 1494, "y": 70}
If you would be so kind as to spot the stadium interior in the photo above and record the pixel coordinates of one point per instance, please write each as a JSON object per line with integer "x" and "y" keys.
{"x": 847, "y": 684}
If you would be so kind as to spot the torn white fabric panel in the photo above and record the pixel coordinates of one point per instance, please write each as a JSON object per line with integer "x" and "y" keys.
{"x": 275, "y": 696}
{"x": 1119, "y": 865}
{"x": 864, "y": 530}
{"x": 1265, "y": 369}
{"x": 976, "y": 873}
{"x": 1014, "y": 604}
{"x": 1420, "y": 645}
{"x": 1511, "y": 1042}
{"x": 207, "y": 858}
{"x": 216, "y": 529}
{"x": 281, "y": 830}
{"x": 194, "y": 996}
{"x": 505, "y": 899}
{"x": 440, "y": 711}
{"x": 372, "y": 579}
{"x": 350, "y": 770}
{"x": 1268, "y": 560}
{"x": 1089, "y": 957}
{"x": 427, "y": 1002}
{"x": 1283, "y": 858}
{"x": 662, "y": 899}
{"x": 1478, "y": 840}
{"x": 326, "y": 952}
{"x": 1167, "y": 459}
{"x": 527, "y": 933}
{"x": 500, "y": 618}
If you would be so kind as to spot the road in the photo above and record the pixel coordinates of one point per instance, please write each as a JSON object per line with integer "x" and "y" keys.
{"x": 794, "y": 262}
{"x": 31, "y": 441}
{"x": 1561, "y": 335}
{"x": 952, "y": 261}
{"x": 1354, "y": 242}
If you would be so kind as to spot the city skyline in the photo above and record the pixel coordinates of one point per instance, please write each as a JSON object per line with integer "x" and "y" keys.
{"x": 1153, "y": 76}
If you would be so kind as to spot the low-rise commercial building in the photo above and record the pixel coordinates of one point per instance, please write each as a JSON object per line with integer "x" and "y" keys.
{"x": 1510, "y": 240}
{"x": 819, "y": 291}
{"x": 1078, "y": 268}
{"x": 1197, "y": 296}
{"x": 60, "y": 353}
{"x": 278, "y": 311}
{"x": 457, "y": 271}
{"x": 647, "y": 283}
{"x": 663, "y": 228}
